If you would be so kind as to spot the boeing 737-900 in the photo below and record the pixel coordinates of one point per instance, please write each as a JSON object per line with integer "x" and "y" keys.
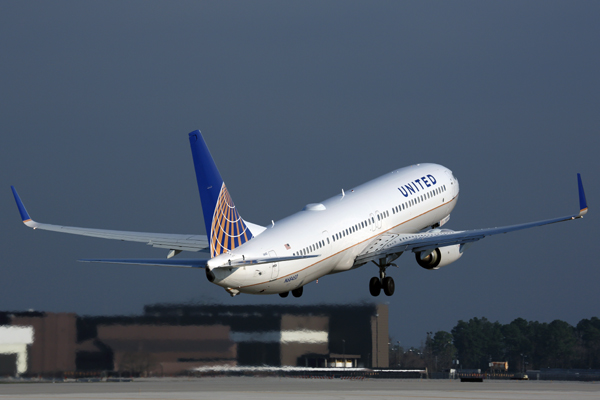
{"x": 376, "y": 222}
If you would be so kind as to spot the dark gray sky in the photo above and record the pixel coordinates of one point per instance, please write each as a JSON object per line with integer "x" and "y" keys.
{"x": 296, "y": 101}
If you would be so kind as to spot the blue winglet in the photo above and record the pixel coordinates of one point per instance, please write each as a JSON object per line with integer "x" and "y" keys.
{"x": 24, "y": 216}
{"x": 582, "y": 202}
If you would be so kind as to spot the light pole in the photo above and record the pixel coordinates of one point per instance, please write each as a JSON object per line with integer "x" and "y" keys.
{"x": 398, "y": 358}
{"x": 344, "y": 352}
{"x": 523, "y": 356}
{"x": 377, "y": 340}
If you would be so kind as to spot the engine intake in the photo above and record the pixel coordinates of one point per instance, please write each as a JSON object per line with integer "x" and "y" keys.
{"x": 438, "y": 257}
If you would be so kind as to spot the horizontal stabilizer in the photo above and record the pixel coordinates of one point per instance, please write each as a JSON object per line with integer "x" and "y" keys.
{"x": 192, "y": 263}
{"x": 242, "y": 262}
{"x": 160, "y": 262}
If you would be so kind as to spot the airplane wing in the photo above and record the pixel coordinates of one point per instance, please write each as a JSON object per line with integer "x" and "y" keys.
{"x": 174, "y": 242}
{"x": 395, "y": 244}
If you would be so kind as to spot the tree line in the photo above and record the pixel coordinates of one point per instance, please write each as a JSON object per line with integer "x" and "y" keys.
{"x": 524, "y": 344}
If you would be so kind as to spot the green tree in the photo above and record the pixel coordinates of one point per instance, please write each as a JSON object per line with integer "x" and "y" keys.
{"x": 518, "y": 350}
{"x": 442, "y": 350}
{"x": 588, "y": 332}
{"x": 412, "y": 359}
{"x": 478, "y": 342}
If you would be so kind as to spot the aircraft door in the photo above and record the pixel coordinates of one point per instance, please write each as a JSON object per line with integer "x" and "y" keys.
{"x": 275, "y": 267}
{"x": 326, "y": 240}
{"x": 378, "y": 221}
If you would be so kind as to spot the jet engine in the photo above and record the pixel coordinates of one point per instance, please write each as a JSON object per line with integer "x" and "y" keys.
{"x": 438, "y": 257}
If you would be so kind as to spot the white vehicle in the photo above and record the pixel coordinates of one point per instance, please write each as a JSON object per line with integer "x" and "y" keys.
{"x": 376, "y": 222}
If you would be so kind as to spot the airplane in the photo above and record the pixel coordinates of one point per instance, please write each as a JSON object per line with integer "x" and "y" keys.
{"x": 400, "y": 212}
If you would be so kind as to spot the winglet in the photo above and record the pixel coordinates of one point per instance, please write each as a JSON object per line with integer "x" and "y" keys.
{"x": 24, "y": 215}
{"x": 583, "y": 209}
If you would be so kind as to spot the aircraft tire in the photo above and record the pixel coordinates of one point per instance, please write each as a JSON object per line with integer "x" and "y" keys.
{"x": 375, "y": 286}
{"x": 388, "y": 286}
{"x": 284, "y": 294}
{"x": 298, "y": 292}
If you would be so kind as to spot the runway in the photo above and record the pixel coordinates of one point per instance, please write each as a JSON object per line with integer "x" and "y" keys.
{"x": 230, "y": 388}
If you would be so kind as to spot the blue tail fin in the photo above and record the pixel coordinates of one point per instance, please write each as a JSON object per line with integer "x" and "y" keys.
{"x": 225, "y": 228}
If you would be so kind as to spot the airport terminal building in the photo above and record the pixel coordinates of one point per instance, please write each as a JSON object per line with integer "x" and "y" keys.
{"x": 171, "y": 339}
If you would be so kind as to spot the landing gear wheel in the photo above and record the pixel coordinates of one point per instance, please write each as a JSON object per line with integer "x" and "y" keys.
{"x": 375, "y": 286}
{"x": 388, "y": 286}
{"x": 298, "y": 292}
{"x": 284, "y": 294}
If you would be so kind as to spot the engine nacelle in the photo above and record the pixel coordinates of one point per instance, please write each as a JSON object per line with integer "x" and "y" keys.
{"x": 439, "y": 257}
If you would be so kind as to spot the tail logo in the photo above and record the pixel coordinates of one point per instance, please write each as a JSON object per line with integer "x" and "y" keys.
{"x": 228, "y": 230}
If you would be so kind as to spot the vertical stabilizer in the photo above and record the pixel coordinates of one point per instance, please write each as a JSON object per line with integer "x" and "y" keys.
{"x": 225, "y": 228}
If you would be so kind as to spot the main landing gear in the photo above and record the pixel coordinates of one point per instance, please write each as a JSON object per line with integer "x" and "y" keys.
{"x": 387, "y": 284}
{"x": 296, "y": 292}
{"x": 382, "y": 282}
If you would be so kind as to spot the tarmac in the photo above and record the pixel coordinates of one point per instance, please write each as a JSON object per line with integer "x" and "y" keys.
{"x": 230, "y": 388}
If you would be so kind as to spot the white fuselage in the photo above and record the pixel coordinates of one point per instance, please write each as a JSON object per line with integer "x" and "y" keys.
{"x": 407, "y": 200}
